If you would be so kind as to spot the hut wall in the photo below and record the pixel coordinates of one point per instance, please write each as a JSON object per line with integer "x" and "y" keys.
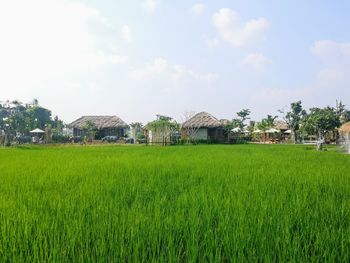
{"x": 201, "y": 134}
{"x": 217, "y": 135}
{"x": 119, "y": 132}
{"x": 78, "y": 132}
{"x": 111, "y": 132}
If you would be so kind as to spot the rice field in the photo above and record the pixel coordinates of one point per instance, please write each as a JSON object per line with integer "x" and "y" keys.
{"x": 238, "y": 203}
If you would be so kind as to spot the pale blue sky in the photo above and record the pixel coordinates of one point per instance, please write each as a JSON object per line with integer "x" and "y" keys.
{"x": 135, "y": 58}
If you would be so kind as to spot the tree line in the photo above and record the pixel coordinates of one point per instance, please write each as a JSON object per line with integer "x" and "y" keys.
{"x": 17, "y": 118}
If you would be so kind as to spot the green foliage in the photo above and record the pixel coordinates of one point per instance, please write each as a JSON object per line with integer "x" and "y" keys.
{"x": 163, "y": 123}
{"x": 244, "y": 203}
{"x": 267, "y": 123}
{"x": 17, "y": 117}
{"x": 342, "y": 113}
{"x": 320, "y": 121}
{"x": 137, "y": 130}
{"x": 294, "y": 116}
{"x": 90, "y": 129}
{"x": 239, "y": 121}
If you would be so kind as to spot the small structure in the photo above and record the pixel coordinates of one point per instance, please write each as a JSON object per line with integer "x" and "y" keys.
{"x": 272, "y": 131}
{"x": 236, "y": 130}
{"x": 204, "y": 127}
{"x": 37, "y": 133}
{"x": 284, "y": 130}
{"x": 282, "y": 126}
{"x": 344, "y": 133}
{"x": 105, "y": 126}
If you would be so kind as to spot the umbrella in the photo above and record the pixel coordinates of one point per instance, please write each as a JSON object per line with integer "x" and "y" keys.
{"x": 258, "y": 131}
{"x": 272, "y": 130}
{"x": 237, "y": 129}
{"x": 288, "y": 132}
{"x": 37, "y": 130}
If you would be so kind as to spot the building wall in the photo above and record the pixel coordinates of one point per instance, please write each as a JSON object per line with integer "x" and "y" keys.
{"x": 201, "y": 134}
{"x": 102, "y": 132}
{"x": 217, "y": 135}
{"x": 207, "y": 134}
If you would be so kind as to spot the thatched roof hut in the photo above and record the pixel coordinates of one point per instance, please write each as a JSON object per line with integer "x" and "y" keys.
{"x": 101, "y": 122}
{"x": 105, "y": 125}
{"x": 345, "y": 128}
{"x": 204, "y": 127}
{"x": 202, "y": 120}
{"x": 280, "y": 125}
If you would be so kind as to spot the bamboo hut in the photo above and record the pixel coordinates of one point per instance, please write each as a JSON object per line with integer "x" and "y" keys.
{"x": 105, "y": 126}
{"x": 284, "y": 133}
{"x": 204, "y": 127}
{"x": 282, "y": 126}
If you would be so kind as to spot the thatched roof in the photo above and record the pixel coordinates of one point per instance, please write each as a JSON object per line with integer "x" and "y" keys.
{"x": 345, "y": 128}
{"x": 100, "y": 122}
{"x": 202, "y": 120}
{"x": 280, "y": 125}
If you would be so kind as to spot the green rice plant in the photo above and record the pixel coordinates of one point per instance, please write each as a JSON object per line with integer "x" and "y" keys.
{"x": 233, "y": 203}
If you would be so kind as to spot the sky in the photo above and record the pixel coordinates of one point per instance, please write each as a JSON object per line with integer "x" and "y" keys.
{"x": 139, "y": 58}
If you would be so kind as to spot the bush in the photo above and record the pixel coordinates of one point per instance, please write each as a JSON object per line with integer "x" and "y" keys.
{"x": 58, "y": 138}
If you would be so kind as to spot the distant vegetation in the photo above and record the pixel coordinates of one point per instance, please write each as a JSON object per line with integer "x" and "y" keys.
{"x": 18, "y": 119}
{"x": 253, "y": 203}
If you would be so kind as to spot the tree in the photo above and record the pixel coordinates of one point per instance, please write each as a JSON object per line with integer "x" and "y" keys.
{"x": 342, "y": 113}
{"x": 90, "y": 130}
{"x": 320, "y": 121}
{"x": 243, "y": 115}
{"x": 57, "y": 125}
{"x": 190, "y": 130}
{"x": 238, "y": 122}
{"x": 137, "y": 132}
{"x": 293, "y": 118}
{"x": 165, "y": 127}
{"x": 267, "y": 123}
{"x": 42, "y": 115}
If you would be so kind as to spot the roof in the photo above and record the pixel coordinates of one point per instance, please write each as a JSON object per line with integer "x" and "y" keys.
{"x": 280, "y": 125}
{"x": 202, "y": 120}
{"x": 345, "y": 128}
{"x": 37, "y": 130}
{"x": 100, "y": 122}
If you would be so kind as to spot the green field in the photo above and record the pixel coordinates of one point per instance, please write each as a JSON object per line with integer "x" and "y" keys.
{"x": 190, "y": 204}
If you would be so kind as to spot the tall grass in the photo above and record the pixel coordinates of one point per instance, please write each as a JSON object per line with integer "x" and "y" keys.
{"x": 243, "y": 203}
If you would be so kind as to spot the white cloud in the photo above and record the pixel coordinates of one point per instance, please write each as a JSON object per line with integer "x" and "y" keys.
{"x": 172, "y": 76}
{"x": 41, "y": 39}
{"x": 257, "y": 61}
{"x": 198, "y": 9}
{"x": 151, "y": 5}
{"x": 331, "y": 52}
{"x": 126, "y": 33}
{"x": 237, "y": 33}
{"x": 335, "y": 58}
